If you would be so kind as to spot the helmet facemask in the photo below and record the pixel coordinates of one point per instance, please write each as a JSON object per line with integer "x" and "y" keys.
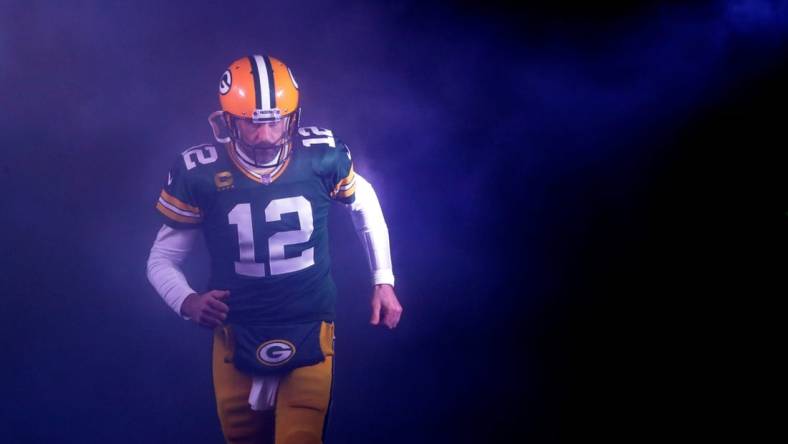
{"x": 263, "y": 147}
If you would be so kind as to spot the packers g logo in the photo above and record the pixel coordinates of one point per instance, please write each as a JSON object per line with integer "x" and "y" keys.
{"x": 276, "y": 352}
{"x": 225, "y": 83}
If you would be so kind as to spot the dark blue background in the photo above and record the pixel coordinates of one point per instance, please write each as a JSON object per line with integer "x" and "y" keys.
{"x": 570, "y": 190}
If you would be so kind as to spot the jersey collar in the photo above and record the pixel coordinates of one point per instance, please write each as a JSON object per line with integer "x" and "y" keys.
{"x": 259, "y": 175}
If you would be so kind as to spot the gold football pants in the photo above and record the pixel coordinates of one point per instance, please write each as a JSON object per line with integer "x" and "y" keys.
{"x": 301, "y": 403}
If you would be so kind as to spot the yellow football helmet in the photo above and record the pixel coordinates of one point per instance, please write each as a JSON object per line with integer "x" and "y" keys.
{"x": 262, "y": 90}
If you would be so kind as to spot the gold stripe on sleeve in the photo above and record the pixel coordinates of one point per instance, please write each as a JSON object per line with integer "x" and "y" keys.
{"x": 172, "y": 200}
{"x": 348, "y": 179}
{"x": 175, "y": 216}
{"x": 347, "y": 193}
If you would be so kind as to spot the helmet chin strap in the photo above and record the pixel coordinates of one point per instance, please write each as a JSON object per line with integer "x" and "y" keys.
{"x": 275, "y": 160}
{"x": 249, "y": 154}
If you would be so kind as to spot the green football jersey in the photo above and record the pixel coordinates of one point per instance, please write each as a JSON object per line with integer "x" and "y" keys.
{"x": 267, "y": 235}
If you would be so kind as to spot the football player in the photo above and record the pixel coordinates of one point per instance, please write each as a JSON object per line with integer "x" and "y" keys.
{"x": 261, "y": 196}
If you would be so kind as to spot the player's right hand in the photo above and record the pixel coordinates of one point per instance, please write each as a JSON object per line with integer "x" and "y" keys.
{"x": 206, "y": 309}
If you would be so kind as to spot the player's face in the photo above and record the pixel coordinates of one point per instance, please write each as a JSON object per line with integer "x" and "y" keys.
{"x": 267, "y": 133}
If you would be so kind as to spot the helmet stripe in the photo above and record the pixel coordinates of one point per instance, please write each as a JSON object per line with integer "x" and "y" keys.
{"x": 269, "y": 70}
{"x": 261, "y": 90}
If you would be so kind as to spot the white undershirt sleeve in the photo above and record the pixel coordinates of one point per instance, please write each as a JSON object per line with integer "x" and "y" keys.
{"x": 372, "y": 231}
{"x": 166, "y": 256}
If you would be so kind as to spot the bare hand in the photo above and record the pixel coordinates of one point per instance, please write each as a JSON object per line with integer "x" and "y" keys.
{"x": 206, "y": 309}
{"x": 385, "y": 300}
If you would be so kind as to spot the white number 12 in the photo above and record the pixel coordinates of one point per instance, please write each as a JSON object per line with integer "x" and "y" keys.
{"x": 241, "y": 215}
{"x": 328, "y": 136}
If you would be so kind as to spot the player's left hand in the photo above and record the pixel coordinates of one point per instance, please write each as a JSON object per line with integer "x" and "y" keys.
{"x": 384, "y": 301}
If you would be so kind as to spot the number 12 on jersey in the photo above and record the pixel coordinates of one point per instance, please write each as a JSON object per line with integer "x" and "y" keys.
{"x": 327, "y": 136}
{"x": 241, "y": 216}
